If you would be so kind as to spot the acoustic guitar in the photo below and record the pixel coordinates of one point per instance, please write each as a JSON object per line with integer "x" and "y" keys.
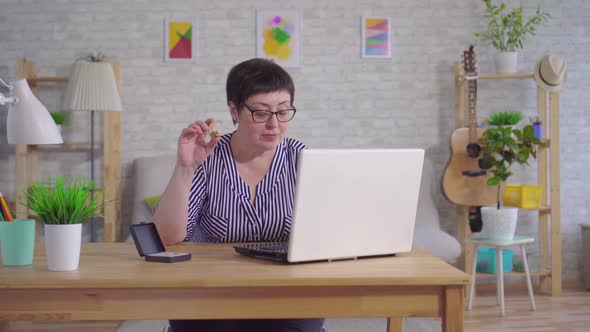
{"x": 464, "y": 181}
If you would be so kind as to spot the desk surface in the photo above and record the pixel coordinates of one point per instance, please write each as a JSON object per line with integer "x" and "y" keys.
{"x": 117, "y": 265}
{"x": 114, "y": 283}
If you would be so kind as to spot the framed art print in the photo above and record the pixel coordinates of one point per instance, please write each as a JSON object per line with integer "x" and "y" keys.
{"x": 180, "y": 42}
{"x": 376, "y": 37}
{"x": 278, "y": 36}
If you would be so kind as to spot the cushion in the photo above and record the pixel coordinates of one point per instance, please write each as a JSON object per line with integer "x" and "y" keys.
{"x": 151, "y": 201}
{"x": 437, "y": 243}
{"x": 428, "y": 234}
{"x": 427, "y": 213}
{"x": 150, "y": 176}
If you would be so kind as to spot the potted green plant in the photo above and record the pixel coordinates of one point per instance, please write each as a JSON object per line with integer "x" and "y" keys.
{"x": 60, "y": 118}
{"x": 63, "y": 206}
{"x": 502, "y": 146}
{"x": 507, "y": 30}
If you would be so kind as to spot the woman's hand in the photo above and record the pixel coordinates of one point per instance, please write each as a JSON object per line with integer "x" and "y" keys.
{"x": 193, "y": 148}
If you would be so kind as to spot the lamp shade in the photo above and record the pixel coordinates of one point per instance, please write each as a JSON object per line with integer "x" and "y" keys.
{"x": 28, "y": 121}
{"x": 92, "y": 87}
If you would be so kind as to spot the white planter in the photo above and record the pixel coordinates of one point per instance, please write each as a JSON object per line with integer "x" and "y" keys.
{"x": 59, "y": 129}
{"x": 506, "y": 62}
{"x": 499, "y": 224}
{"x": 62, "y": 246}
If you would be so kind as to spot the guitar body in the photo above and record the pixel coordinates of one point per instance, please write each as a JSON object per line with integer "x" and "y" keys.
{"x": 464, "y": 182}
{"x": 465, "y": 190}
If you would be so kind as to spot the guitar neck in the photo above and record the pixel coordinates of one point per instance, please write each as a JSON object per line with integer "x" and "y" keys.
{"x": 471, "y": 100}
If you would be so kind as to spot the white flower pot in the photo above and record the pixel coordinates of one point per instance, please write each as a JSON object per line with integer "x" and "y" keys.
{"x": 59, "y": 129}
{"x": 499, "y": 224}
{"x": 506, "y": 62}
{"x": 62, "y": 246}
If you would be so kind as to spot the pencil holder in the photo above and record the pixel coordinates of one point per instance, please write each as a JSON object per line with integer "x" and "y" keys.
{"x": 537, "y": 130}
{"x": 17, "y": 241}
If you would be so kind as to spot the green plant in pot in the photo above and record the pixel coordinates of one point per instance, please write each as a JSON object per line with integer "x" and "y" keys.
{"x": 63, "y": 206}
{"x": 507, "y": 30}
{"x": 60, "y": 118}
{"x": 502, "y": 146}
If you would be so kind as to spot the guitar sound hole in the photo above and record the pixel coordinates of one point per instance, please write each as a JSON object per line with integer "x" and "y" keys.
{"x": 473, "y": 150}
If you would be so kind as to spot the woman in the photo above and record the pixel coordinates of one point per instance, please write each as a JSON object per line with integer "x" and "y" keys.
{"x": 240, "y": 186}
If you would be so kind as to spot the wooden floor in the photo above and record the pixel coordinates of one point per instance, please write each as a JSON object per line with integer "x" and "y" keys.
{"x": 569, "y": 312}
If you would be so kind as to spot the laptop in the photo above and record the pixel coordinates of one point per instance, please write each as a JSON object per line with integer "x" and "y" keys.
{"x": 349, "y": 203}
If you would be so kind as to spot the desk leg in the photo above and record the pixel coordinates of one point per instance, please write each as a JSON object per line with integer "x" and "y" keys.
{"x": 454, "y": 309}
{"x": 395, "y": 324}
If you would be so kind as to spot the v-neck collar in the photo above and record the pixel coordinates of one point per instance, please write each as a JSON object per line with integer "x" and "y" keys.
{"x": 275, "y": 170}
{"x": 266, "y": 184}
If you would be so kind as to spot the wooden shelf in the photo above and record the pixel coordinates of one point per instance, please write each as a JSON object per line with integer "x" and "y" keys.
{"x": 70, "y": 146}
{"x": 541, "y": 209}
{"x": 516, "y": 274}
{"x": 80, "y": 143}
{"x": 99, "y": 217}
{"x": 35, "y": 80}
{"x": 505, "y": 76}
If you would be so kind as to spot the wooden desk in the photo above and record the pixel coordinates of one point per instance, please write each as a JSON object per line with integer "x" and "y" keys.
{"x": 114, "y": 283}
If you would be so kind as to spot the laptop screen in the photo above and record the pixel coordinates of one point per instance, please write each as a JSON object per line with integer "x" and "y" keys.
{"x": 354, "y": 202}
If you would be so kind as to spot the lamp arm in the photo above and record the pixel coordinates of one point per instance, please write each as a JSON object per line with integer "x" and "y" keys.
{"x": 7, "y": 100}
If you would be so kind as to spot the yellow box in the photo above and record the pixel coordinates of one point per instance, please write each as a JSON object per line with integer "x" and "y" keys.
{"x": 523, "y": 196}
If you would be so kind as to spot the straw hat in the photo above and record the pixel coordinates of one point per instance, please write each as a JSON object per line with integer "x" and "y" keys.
{"x": 551, "y": 72}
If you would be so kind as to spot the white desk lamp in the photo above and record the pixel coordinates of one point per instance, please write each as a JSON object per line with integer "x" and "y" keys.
{"x": 28, "y": 121}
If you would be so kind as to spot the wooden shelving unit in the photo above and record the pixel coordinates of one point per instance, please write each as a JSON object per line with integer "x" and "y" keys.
{"x": 504, "y": 76}
{"x": 27, "y": 155}
{"x": 547, "y": 174}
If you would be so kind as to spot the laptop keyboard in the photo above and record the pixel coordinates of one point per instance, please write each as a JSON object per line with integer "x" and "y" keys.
{"x": 280, "y": 247}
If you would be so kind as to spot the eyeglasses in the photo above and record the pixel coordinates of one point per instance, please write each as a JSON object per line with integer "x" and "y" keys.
{"x": 261, "y": 116}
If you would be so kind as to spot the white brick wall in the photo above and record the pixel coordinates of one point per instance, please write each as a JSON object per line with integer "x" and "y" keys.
{"x": 344, "y": 101}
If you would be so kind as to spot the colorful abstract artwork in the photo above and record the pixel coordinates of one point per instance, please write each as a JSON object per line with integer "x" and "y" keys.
{"x": 180, "y": 43}
{"x": 278, "y": 36}
{"x": 376, "y": 37}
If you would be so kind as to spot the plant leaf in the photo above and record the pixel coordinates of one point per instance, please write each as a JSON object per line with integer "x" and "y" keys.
{"x": 493, "y": 181}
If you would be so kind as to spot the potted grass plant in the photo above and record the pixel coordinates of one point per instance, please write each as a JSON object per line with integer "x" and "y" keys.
{"x": 507, "y": 30}
{"x": 502, "y": 146}
{"x": 63, "y": 206}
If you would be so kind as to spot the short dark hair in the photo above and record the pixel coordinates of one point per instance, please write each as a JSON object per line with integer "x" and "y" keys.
{"x": 257, "y": 76}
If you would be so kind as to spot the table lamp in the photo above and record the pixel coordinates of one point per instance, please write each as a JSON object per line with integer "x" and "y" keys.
{"x": 92, "y": 87}
{"x": 28, "y": 121}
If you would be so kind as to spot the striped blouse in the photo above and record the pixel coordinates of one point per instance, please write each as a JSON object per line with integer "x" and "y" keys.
{"x": 220, "y": 208}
